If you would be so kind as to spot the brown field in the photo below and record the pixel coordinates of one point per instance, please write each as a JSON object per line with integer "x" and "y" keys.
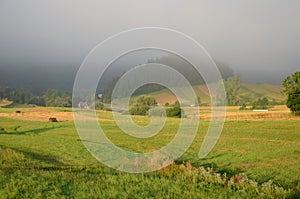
{"x": 165, "y": 97}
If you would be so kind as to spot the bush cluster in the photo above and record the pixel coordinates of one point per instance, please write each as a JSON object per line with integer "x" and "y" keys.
{"x": 140, "y": 105}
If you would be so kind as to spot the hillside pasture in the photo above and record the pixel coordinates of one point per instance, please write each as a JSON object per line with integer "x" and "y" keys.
{"x": 248, "y": 93}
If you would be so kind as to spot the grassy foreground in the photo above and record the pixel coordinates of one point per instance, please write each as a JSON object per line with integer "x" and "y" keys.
{"x": 252, "y": 159}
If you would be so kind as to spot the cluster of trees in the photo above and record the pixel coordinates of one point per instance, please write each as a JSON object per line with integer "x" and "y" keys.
{"x": 52, "y": 97}
{"x": 140, "y": 105}
{"x": 261, "y": 103}
{"x": 19, "y": 95}
{"x": 145, "y": 105}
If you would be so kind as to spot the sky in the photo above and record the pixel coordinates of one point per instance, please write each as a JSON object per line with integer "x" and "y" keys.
{"x": 260, "y": 40}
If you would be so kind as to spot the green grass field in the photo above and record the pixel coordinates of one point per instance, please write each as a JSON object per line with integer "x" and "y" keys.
{"x": 252, "y": 159}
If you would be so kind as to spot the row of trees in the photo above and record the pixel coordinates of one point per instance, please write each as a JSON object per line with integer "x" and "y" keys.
{"x": 19, "y": 95}
{"x": 260, "y": 103}
{"x": 52, "y": 97}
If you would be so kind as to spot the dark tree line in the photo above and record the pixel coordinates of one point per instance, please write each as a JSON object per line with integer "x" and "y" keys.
{"x": 52, "y": 97}
{"x": 19, "y": 95}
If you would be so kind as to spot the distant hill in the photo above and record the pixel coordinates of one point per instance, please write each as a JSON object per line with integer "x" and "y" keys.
{"x": 247, "y": 94}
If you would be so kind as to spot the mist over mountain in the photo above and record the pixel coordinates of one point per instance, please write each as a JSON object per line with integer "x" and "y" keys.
{"x": 37, "y": 79}
{"x": 43, "y": 47}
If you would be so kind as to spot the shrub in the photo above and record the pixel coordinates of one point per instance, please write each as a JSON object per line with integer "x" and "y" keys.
{"x": 99, "y": 106}
{"x": 175, "y": 112}
{"x": 243, "y": 107}
{"x": 141, "y": 104}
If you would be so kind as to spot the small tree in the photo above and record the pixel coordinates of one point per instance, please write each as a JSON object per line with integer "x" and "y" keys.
{"x": 197, "y": 101}
{"x": 174, "y": 112}
{"x": 176, "y": 104}
{"x": 232, "y": 87}
{"x": 292, "y": 89}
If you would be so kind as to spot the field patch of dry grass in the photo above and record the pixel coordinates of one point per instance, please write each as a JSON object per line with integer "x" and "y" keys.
{"x": 37, "y": 114}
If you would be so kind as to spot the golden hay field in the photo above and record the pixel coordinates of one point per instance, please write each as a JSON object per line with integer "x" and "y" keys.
{"x": 38, "y": 114}
{"x": 280, "y": 112}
